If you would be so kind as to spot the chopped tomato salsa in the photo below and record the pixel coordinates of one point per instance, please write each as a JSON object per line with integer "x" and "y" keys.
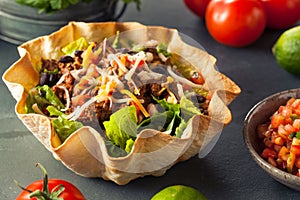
{"x": 281, "y": 137}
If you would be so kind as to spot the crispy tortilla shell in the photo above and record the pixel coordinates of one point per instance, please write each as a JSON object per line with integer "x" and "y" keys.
{"x": 84, "y": 152}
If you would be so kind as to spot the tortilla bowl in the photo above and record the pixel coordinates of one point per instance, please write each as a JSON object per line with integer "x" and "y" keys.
{"x": 153, "y": 152}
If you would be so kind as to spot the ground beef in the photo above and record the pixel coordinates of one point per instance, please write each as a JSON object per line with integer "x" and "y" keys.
{"x": 103, "y": 111}
{"x": 49, "y": 65}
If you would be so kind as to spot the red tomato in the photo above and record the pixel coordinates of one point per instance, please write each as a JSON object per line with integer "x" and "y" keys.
{"x": 70, "y": 192}
{"x": 295, "y": 149}
{"x": 276, "y": 120}
{"x": 282, "y": 14}
{"x": 50, "y": 189}
{"x": 269, "y": 153}
{"x": 235, "y": 23}
{"x": 198, "y": 7}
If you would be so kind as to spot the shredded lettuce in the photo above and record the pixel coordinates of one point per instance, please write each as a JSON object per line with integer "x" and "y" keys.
{"x": 63, "y": 127}
{"x": 122, "y": 126}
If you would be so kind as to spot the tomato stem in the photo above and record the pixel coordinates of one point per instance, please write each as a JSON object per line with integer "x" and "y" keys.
{"x": 45, "y": 179}
{"x": 45, "y": 194}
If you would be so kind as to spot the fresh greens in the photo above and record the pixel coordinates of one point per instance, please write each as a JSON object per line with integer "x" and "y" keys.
{"x": 176, "y": 118}
{"x": 121, "y": 127}
{"x": 188, "y": 108}
{"x": 50, "y": 6}
{"x": 42, "y": 96}
{"x": 63, "y": 127}
{"x": 79, "y": 44}
{"x": 159, "y": 121}
{"x": 162, "y": 48}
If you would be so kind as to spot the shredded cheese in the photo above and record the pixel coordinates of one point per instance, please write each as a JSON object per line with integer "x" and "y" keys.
{"x": 136, "y": 101}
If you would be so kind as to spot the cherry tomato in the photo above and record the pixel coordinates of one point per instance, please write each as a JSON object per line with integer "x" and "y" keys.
{"x": 198, "y": 7}
{"x": 282, "y": 14}
{"x": 50, "y": 189}
{"x": 70, "y": 192}
{"x": 235, "y": 23}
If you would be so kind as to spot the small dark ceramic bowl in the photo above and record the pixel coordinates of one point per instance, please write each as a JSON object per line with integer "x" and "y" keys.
{"x": 259, "y": 114}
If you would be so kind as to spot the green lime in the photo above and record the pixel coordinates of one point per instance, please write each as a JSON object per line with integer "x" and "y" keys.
{"x": 177, "y": 192}
{"x": 287, "y": 50}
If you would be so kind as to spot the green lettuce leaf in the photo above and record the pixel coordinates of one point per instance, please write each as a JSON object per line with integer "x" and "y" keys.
{"x": 113, "y": 150}
{"x": 46, "y": 92}
{"x": 63, "y": 127}
{"x": 159, "y": 121}
{"x": 188, "y": 108}
{"x": 79, "y": 44}
{"x": 122, "y": 126}
{"x": 176, "y": 118}
{"x": 179, "y": 130}
{"x": 42, "y": 96}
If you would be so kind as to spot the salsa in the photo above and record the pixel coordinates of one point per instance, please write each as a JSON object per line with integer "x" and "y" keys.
{"x": 280, "y": 137}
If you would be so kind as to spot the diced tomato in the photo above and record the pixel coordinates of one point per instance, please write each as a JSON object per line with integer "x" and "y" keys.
{"x": 282, "y": 136}
{"x": 295, "y": 148}
{"x": 141, "y": 64}
{"x": 285, "y": 111}
{"x": 282, "y": 132}
{"x": 276, "y": 120}
{"x": 279, "y": 141}
{"x": 290, "y": 101}
{"x": 297, "y": 162}
{"x": 283, "y": 153}
{"x": 289, "y": 129}
{"x": 296, "y": 106}
{"x": 296, "y": 124}
{"x": 267, "y": 152}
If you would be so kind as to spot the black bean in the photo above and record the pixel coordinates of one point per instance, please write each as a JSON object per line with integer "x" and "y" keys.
{"x": 44, "y": 79}
{"x": 52, "y": 79}
{"x": 200, "y": 98}
{"x": 66, "y": 59}
{"x": 78, "y": 53}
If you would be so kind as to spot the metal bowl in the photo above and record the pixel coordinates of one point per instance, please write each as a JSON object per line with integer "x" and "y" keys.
{"x": 259, "y": 114}
{"x": 19, "y": 23}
